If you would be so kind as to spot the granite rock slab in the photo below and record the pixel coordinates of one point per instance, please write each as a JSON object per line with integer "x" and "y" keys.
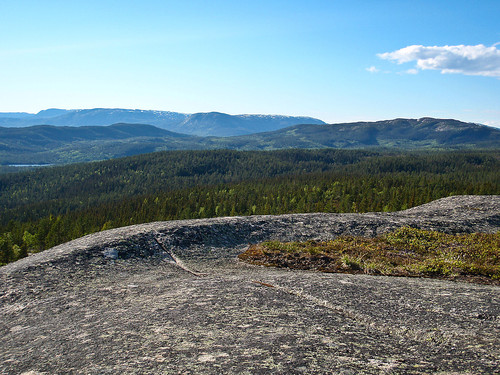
{"x": 171, "y": 297}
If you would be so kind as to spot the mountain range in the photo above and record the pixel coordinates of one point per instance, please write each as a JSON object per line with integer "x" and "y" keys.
{"x": 202, "y": 124}
{"x": 64, "y": 144}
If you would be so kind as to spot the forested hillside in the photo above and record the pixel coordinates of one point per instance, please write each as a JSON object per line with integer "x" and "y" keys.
{"x": 398, "y": 133}
{"x": 64, "y": 145}
{"x": 42, "y": 208}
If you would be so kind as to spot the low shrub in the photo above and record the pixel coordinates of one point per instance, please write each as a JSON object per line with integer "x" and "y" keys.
{"x": 404, "y": 252}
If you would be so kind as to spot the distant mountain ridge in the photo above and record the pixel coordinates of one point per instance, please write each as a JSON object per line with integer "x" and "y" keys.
{"x": 64, "y": 144}
{"x": 203, "y": 124}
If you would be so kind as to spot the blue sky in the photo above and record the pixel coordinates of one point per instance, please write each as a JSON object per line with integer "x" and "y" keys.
{"x": 335, "y": 60}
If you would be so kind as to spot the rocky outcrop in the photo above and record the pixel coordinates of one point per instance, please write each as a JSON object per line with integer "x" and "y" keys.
{"x": 171, "y": 297}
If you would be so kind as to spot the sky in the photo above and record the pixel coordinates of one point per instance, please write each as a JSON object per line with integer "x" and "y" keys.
{"x": 340, "y": 61}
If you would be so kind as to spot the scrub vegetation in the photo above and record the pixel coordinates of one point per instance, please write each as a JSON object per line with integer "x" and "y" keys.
{"x": 405, "y": 252}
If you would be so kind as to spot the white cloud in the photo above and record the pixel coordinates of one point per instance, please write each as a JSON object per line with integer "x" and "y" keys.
{"x": 372, "y": 69}
{"x": 470, "y": 60}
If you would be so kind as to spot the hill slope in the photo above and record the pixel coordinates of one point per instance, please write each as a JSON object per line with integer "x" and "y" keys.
{"x": 400, "y": 133}
{"x": 64, "y": 144}
{"x": 59, "y": 145}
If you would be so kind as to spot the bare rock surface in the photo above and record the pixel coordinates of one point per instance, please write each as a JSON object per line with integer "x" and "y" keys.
{"x": 171, "y": 297}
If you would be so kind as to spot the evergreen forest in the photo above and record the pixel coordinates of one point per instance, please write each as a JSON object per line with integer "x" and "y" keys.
{"x": 47, "y": 206}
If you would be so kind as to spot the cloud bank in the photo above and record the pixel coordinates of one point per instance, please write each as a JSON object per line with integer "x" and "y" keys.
{"x": 476, "y": 60}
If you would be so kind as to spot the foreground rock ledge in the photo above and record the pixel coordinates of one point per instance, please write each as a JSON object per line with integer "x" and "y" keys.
{"x": 171, "y": 297}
